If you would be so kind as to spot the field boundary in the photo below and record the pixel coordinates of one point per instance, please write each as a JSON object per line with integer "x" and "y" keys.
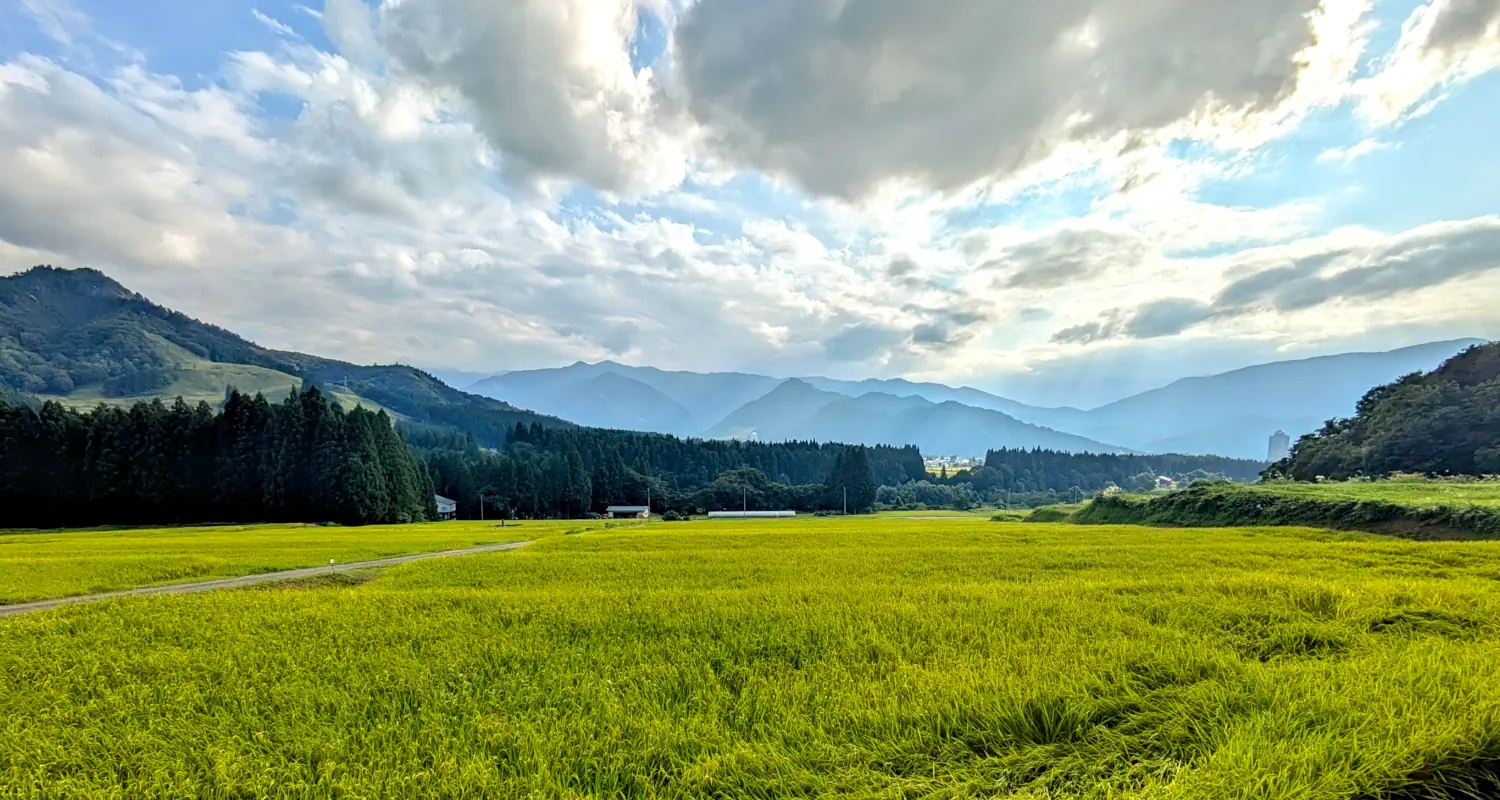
{"x": 251, "y": 580}
{"x": 1225, "y": 505}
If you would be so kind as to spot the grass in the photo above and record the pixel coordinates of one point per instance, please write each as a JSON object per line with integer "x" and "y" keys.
{"x": 1061, "y": 512}
{"x": 934, "y": 513}
{"x": 198, "y": 379}
{"x": 856, "y": 657}
{"x": 1416, "y": 509}
{"x": 38, "y": 566}
{"x": 1409, "y": 492}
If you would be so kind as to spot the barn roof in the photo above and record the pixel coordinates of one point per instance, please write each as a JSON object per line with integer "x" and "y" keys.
{"x": 627, "y": 509}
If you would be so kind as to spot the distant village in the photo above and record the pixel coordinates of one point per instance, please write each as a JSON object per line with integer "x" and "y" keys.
{"x": 951, "y": 463}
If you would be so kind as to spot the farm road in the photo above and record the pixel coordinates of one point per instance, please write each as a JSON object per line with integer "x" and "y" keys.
{"x": 251, "y": 580}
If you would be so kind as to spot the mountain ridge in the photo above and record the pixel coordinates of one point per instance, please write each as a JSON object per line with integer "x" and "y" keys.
{"x": 80, "y": 334}
{"x": 1208, "y": 419}
{"x": 796, "y": 410}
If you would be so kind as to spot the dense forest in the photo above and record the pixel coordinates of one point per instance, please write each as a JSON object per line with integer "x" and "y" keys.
{"x": 1443, "y": 422}
{"x": 301, "y": 460}
{"x": 568, "y": 472}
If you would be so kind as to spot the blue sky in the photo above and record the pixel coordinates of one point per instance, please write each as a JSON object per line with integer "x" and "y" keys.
{"x": 1063, "y": 205}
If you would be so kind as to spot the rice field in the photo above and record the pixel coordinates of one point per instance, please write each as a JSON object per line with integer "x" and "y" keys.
{"x": 832, "y": 657}
{"x": 43, "y": 565}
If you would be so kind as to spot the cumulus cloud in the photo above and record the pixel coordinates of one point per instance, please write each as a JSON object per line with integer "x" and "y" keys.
{"x": 1360, "y": 267}
{"x": 845, "y": 96}
{"x": 370, "y": 200}
{"x": 90, "y": 176}
{"x": 549, "y": 82}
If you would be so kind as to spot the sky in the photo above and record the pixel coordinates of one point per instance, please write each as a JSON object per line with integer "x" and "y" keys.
{"x": 1065, "y": 202}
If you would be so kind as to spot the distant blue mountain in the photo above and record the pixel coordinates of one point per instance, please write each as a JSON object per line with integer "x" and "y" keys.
{"x": 796, "y": 410}
{"x": 1234, "y": 413}
{"x": 1230, "y": 414}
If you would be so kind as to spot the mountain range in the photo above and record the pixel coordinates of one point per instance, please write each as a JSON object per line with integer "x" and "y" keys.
{"x": 79, "y": 337}
{"x": 82, "y": 338}
{"x": 1230, "y": 414}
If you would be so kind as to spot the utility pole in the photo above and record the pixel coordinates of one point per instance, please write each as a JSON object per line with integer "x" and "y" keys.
{"x": 648, "y": 501}
{"x": 846, "y": 501}
{"x": 481, "y": 506}
{"x": 745, "y": 500}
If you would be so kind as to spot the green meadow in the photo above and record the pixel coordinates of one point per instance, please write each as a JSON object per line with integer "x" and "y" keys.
{"x": 43, "y": 565}
{"x": 870, "y": 657}
{"x": 1417, "y": 492}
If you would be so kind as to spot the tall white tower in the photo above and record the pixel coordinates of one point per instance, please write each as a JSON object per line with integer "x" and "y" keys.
{"x": 1280, "y": 446}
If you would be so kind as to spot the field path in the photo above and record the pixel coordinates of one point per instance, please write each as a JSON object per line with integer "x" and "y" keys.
{"x": 251, "y": 580}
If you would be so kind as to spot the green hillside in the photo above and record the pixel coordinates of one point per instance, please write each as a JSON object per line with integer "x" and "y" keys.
{"x": 1416, "y": 509}
{"x": 81, "y": 338}
{"x": 1443, "y": 422}
{"x": 197, "y": 379}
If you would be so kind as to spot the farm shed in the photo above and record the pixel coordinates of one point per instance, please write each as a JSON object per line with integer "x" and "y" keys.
{"x": 628, "y": 512}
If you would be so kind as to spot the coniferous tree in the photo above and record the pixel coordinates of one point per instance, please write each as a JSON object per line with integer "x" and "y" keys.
{"x": 299, "y": 460}
{"x": 851, "y": 482}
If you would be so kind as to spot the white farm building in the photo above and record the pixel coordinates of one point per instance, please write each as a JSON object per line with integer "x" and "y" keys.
{"x": 750, "y": 514}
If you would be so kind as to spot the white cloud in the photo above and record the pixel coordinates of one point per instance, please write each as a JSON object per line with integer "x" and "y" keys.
{"x": 385, "y": 213}
{"x": 549, "y": 83}
{"x": 56, "y": 18}
{"x": 276, "y": 25}
{"x": 1357, "y": 151}
{"x": 1442, "y": 43}
{"x": 1348, "y": 270}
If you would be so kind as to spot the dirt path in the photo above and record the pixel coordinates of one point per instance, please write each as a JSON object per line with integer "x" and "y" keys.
{"x": 251, "y": 580}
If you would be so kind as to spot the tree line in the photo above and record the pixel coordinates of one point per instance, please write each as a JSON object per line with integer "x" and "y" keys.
{"x": 1029, "y": 478}
{"x": 552, "y": 472}
{"x": 304, "y": 459}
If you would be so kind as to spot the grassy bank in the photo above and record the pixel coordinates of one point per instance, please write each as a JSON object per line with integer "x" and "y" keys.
{"x": 1413, "y": 509}
{"x": 859, "y": 657}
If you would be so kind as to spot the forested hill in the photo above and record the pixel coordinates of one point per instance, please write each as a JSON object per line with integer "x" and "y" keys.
{"x": 78, "y": 334}
{"x": 1444, "y": 422}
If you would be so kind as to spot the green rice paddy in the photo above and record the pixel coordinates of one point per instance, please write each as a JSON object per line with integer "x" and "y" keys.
{"x": 832, "y": 657}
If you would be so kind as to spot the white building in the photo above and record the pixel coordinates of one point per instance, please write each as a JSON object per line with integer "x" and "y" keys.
{"x": 628, "y": 512}
{"x": 750, "y": 514}
{"x": 447, "y": 509}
